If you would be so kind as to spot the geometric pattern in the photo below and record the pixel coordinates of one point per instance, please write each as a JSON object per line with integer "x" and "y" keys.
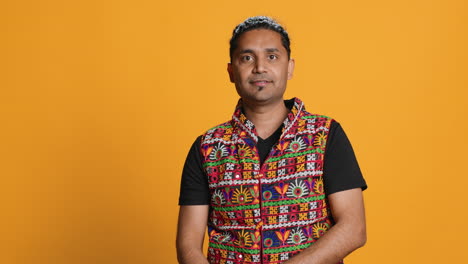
{"x": 267, "y": 213}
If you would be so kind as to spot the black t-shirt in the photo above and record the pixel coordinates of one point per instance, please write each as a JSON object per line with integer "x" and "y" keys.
{"x": 341, "y": 169}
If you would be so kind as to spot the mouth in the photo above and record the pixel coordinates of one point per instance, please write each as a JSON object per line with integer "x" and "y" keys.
{"x": 260, "y": 82}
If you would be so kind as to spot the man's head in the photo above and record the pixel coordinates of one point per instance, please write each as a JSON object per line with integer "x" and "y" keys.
{"x": 259, "y": 22}
{"x": 260, "y": 61}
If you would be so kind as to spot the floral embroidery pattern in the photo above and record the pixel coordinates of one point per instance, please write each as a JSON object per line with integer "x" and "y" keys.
{"x": 265, "y": 213}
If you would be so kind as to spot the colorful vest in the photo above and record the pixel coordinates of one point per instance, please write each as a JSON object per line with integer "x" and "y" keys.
{"x": 265, "y": 213}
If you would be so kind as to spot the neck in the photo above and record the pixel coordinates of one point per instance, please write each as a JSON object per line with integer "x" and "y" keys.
{"x": 266, "y": 118}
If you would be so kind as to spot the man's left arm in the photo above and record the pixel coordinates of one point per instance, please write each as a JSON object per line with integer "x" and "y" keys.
{"x": 348, "y": 233}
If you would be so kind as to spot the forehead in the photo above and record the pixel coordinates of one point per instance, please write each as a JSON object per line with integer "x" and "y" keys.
{"x": 260, "y": 39}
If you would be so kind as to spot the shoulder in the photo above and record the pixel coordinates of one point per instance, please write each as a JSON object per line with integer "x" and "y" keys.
{"x": 318, "y": 120}
{"x": 225, "y": 125}
{"x": 217, "y": 131}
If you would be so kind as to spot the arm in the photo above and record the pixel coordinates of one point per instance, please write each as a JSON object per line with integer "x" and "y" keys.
{"x": 348, "y": 234}
{"x": 190, "y": 234}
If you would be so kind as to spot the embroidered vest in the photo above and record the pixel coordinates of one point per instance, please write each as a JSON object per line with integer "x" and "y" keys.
{"x": 267, "y": 213}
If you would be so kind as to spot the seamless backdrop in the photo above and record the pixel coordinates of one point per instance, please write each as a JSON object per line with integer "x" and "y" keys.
{"x": 101, "y": 100}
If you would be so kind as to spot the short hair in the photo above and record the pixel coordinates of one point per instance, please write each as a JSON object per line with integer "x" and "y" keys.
{"x": 259, "y": 22}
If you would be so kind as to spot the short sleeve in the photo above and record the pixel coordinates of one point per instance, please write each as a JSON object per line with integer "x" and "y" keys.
{"x": 341, "y": 169}
{"x": 194, "y": 188}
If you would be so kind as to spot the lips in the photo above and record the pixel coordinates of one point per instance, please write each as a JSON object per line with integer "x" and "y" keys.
{"x": 260, "y": 82}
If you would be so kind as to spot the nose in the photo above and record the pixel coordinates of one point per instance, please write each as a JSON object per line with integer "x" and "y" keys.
{"x": 260, "y": 66}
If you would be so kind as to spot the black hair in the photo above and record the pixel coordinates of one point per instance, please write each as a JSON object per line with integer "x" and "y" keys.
{"x": 259, "y": 22}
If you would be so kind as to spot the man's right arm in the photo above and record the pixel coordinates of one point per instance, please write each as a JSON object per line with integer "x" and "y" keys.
{"x": 191, "y": 233}
{"x": 194, "y": 207}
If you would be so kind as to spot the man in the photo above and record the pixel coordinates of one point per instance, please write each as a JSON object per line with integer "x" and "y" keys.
{"x": 275, "y": 184}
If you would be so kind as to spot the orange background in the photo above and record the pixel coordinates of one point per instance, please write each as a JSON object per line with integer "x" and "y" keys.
{"x": 101, "y": 100}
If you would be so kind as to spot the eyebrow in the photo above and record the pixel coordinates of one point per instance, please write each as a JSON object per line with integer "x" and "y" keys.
{"x": 272, "y": 50}
{"x": 251, "y": 51}
{"x": 246, "y": 51}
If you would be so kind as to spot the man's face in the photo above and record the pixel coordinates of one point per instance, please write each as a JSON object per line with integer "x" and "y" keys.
{"x": 260, "y": 67}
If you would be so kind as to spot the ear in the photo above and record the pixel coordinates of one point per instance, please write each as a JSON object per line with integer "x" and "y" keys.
{"x": 229, "y": 69}
{"x": 291, "y": 65}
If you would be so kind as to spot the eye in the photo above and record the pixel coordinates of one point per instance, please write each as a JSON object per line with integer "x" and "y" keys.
{"x": 272, "y": 57}
{"x": 247, "y": 58}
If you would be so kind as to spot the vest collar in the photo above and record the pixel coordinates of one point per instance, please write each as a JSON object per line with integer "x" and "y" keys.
{"x": 246, "y": 126}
